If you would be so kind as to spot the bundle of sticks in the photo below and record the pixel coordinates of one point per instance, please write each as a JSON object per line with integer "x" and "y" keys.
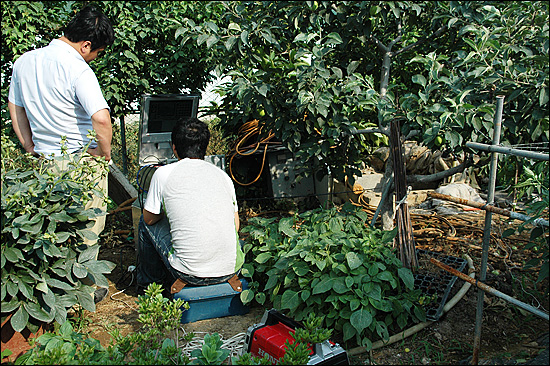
{"x": 404, "y": 239}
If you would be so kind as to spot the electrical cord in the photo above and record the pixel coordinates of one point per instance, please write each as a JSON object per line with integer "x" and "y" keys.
{"x": 247, "y": 131}
{"x": 143, "y": 178}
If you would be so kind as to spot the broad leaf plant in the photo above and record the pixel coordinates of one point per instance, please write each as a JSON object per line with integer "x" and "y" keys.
{"x": 46, "y": 268}
{"x": 331, "y": 262}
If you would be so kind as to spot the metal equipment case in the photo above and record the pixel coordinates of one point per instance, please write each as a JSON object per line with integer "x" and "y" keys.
{"x": 212, "y": 301}
{"x": 269, "y": 337}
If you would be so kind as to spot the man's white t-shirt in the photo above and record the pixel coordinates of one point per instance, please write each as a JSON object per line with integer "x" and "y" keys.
{"x": 200, "y": 203}
{"x": 60, "y": 93}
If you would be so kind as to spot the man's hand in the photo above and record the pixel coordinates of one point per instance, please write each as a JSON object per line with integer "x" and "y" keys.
{"x": 97, "y": 152}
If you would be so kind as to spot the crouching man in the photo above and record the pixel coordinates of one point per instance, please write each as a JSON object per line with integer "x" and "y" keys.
{"x": 188, "y": 233}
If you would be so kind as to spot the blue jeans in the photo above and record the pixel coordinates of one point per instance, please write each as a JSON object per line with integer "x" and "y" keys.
{"x": 153, "y": 248}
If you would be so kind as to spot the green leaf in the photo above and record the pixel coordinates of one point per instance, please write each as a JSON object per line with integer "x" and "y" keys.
{"x": 323, "y": 285}
{"x": 86, "y": 300}
{"x": 354, "y": 304}
{"x": 543, "y": 96}
{"x": 360, "y": 319}
{"x": 419, "y": 79}
{"x": 37, "y": 312}
{"x": 89, "y": 253}
{"x": 353, "y": 260}
{"x": 290, "y": 300}
{"x": 349, "y": 331}
{"x": 20, "y": 319}
{"x": 101, "y": 266}
{"x": 87, "y": 234}
{"x": 340, "y": 286}
{"x": 406, "y": 276}
{"x": 8, "y": 307}
{"x": 260, "y": 298}
{"x": 11, "y": 254}
{"x": 271, "y": 282}
{"x": 334, "y": 38}
{"x": 79, "y": 270}
{"x": 352, "y": 67}
{"x": 52, "y": 282}
{"x": 263, "y": 257}
{"x": 42, "y": 286}
{"x": 285, "y": 226}
{"x": 25, "y": 289}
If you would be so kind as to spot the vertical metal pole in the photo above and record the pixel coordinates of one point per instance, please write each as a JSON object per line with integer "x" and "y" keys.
{"x": 123, "y": 145}
{"x": 487, "y": 229}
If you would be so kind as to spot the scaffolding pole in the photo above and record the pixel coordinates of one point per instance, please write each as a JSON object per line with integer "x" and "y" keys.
{"x": 487, "y": 228}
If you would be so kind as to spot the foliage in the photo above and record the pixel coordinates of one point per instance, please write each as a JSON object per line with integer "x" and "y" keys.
{"x": 535, "y": 187}
{"x": 331, "y": 262}
{"x": 248, "y": 359}
{"x": 149, "y": 346}
{"x": 504, "y": 50}
{"x": 296, "y": 353}
{"x": 66, "y": 347}
{"x": 145, "y": 57}
{"x": 159, "y": 317}
{"x": 211, "y": 352}
{"x": 312, "y": 67}
{"x": 46, "y": 268}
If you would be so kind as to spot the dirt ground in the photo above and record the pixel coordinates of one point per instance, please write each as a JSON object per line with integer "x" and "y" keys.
{"x": 508, "y": 335}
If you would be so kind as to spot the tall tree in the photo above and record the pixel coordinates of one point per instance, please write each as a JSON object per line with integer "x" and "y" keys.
{"x": 145, "y": 58}
{"x": 324, "y": 70}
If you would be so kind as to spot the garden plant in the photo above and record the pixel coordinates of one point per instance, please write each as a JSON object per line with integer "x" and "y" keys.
{"x": 46, "y": 268}
{"x": 331, "y": 262}
{"x": 157, "y": 342}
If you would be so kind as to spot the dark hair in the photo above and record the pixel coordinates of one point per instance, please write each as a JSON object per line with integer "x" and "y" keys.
{"x": 90, "y": 24}
{"x": 191, "y": 137}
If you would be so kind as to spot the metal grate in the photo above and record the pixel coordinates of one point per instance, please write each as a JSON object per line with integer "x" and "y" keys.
{"x": 437, "y": 282}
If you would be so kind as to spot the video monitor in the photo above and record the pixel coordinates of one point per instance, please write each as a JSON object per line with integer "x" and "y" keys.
{"x": 159, "y": 114}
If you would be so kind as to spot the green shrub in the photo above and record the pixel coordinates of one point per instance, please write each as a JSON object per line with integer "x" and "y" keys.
{"x": 331, "y": 262}
{"x": 43, "y": 258}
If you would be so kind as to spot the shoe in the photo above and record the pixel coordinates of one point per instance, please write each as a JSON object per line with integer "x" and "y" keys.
{"x": 100, "y": 294}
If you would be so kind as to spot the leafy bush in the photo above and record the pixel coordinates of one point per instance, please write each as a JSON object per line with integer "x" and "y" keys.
{"x": 534, "y": 186}
{"x": 44, "y": 261}
{"x": 331, "y": 262}
{"x": 149, "y": 346}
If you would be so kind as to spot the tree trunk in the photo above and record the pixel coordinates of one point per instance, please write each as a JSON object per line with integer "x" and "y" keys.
{"x": 386, "y": 212}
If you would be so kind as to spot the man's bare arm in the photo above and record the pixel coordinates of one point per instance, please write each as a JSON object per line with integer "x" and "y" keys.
{"x": 101, "y": 122}
{"x": 21, "y": 126}
{"x": 151, "y": 218}
{"x": 237, "y": 221}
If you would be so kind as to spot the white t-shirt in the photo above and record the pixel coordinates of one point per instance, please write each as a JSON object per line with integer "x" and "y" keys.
{"x": 60, "y": 93}
{"x": 200, "y": 203}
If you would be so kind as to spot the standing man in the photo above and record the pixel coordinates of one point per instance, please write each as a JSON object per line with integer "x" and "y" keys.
{"x": 189, "y": 228}
{"x": 54, "y": 93}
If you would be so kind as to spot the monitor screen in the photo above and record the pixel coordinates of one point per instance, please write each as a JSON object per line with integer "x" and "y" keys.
{"x": 159, "y": 114}
{"x": 163, "y": 114}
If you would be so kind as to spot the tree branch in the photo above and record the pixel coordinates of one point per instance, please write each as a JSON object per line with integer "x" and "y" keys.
{"x": 468, "y": 162}
{"x": 437, "y": 33}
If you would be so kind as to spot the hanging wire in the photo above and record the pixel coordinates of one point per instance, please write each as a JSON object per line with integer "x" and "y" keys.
{"x": 248, "y": 131}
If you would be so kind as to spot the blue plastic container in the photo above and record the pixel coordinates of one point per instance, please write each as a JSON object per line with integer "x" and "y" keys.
{"x": 213, "y": 301}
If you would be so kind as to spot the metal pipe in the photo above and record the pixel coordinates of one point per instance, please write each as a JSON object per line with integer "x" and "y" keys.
{"x": 123, "y": 145}
{"x": 508, "y": 150}
{"x": 487, "y": 228}
{"x": 490, "y": 290}
{"x": 483, "y": 206}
